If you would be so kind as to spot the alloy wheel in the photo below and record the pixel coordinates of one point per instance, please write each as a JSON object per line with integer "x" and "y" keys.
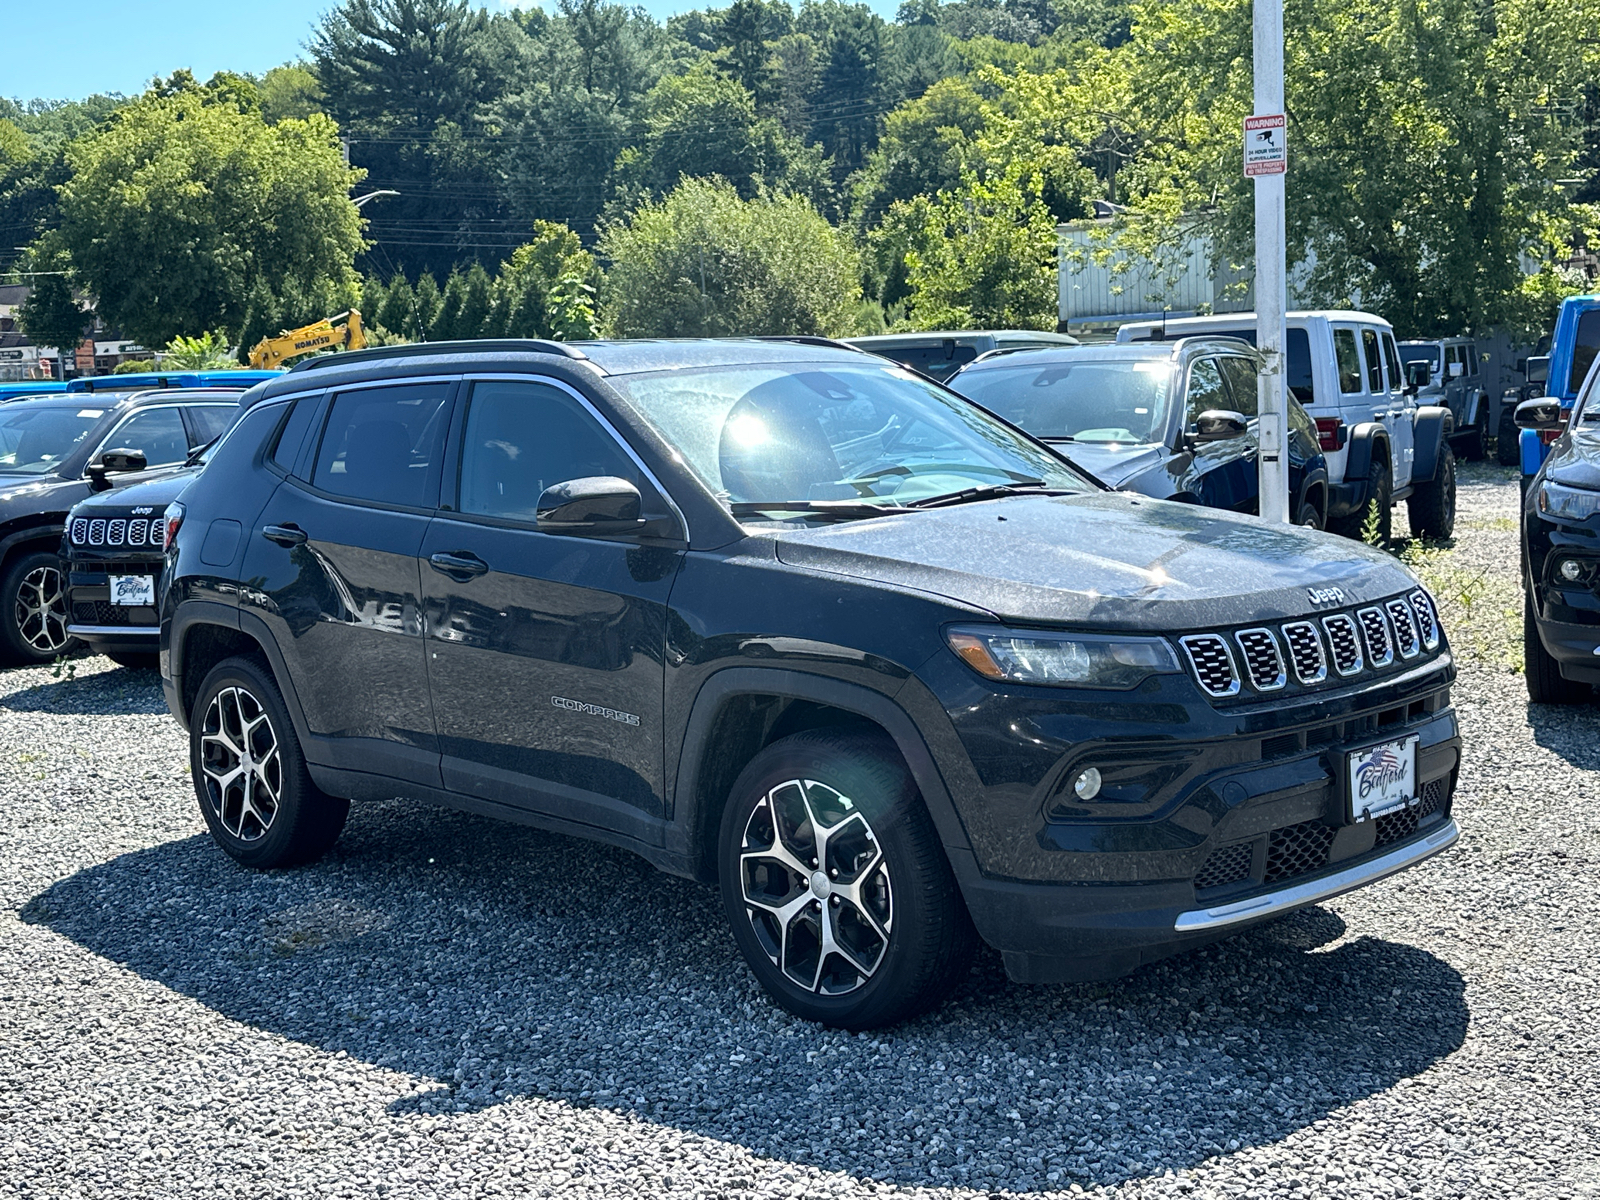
{"x": 816, "y": 887}
{"x": 41, "y": 610}
{"x": 241, "y": 763}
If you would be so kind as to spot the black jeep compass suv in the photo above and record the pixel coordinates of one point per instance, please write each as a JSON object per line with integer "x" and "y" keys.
{"x": 792, "y": 619}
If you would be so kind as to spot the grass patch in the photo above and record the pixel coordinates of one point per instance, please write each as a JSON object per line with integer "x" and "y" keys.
{"x": 1480, "y": 608}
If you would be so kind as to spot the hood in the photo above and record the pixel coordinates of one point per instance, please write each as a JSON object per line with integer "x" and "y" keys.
{"x": 1114, "y": 561}
{"x": 1575, "y": 458}
{"x": 15, "y": 487}
{"x": 1112, "y": 465}
{"x": 152, "y": 493}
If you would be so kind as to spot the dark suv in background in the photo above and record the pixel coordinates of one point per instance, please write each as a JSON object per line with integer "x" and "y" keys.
{"x": 1174, "y": 420}
{"x": 788, "y": 618}
{"x": 57, "y": 450}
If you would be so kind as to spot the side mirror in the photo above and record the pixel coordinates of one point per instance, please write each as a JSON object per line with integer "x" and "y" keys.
{"x": 1418, "y": 373}
{"x": 1457, "y": 370}
{"x": 120, "y": 462}
{"x": 594, "y": 504}
{"x": 1543, "y": 413}
{"x": 1219, "y": 424}
{"x": 1538, "y": 368}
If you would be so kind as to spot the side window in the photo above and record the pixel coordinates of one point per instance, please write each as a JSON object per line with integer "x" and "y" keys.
{"x": 293, "y": 434}
{"x": 383, "y": 444}
{"x": 1241, "y": 376}
{"x": 1206, "y": 391}
{"x": 1583, "y": 349}
{"x": 1472, "y": 358}
{"x": 1369, "y": 347}
{"x": 208, "y": 422}
{"x": 1391, "y": 358}
{"x": 1344, "y": 352}
{"x": 157, "y": 433}
{"x": 521, "y": 438}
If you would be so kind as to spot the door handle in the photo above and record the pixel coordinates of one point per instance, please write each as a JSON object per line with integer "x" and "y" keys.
{"x": 460, "y": 567}
{"x": 284, "y": 535}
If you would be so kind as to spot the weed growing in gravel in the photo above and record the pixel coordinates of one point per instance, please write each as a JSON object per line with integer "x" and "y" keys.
{"x": 65, "y": 668}
{"x": 1481, "y": 610}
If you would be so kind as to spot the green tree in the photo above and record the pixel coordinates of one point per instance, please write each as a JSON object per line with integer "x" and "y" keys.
{"x": 425, "y": 305}
{"x": 852, "y": 80}
{"x": 51, "y": 314}
{"x": 289, "y": 92}
{"x": 536, "y": 289}
{"x": 703, "y": 261}
{"x": 208, "y": 352}
{"x": 446, "y": 325}
{"x": 477, "y": 302}
{"x": 183, "y": 207}
{"x": 926, "y": 143}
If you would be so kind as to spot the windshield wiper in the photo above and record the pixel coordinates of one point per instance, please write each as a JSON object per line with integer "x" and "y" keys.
{"x": 843, "y": 510}
{"x": 991, "y": 491}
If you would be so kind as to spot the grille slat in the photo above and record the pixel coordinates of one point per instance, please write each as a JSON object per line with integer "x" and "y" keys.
{"x": 1305, "y": 651}
{"x": 1346, "y": 645}
{"x": 1375, "y": 634}
{"x": 1297, "y": 850}
{"x": 97, "y": 532}
{"x": 1212, "y": 663}
{"x": 1406, "y": 638}
{"x": 80, "y": 530}
{"x": 1263, "y": 662}
{"x": 1427, "y": 618}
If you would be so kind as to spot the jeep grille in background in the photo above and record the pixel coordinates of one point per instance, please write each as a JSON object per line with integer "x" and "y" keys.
{"x": 1427, "y": 622}
{"x": 99, "y": 532}
{"x": 1406, "y": 638}
{"x": 1346, "y": 646}
{"x": 1305, "y": 650}
{"x": 1375, "y": 632}
{"x": 1262, "y": 660}
{"x": 1213, "y": 664}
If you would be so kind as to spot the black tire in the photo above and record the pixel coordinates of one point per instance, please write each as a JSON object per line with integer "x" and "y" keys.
{"x": 1380, "y": 489}
{"x": 1506, "y": 450}
{"x": 1432, "y": 506}
{"x": 904, "y": 883}
{"x": 302, "y": 822}
{"x": 134, "y": 661}
{"x": 1309, "y": 515}
{"x": 1546, "y": 684}
{"x": 1474, "y": 441}
{"x": 33, "y": 610}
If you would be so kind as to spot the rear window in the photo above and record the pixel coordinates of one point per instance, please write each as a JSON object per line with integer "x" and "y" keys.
{"x": 381, "y": 445}
{"x": 1427, "y": 354}
{"x": 938, "y": 361}
{"x": 1349, "y": 361}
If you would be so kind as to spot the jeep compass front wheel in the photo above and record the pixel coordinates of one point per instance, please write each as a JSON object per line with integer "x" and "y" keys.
{"x": 255, "y": 793}
{"x": 837, "y": 888}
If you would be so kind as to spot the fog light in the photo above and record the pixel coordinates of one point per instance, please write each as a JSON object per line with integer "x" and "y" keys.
{"x": 1087, "y": 784}
{"x": 1570, "y": 569}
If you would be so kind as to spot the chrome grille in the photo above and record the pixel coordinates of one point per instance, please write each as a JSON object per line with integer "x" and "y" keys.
{"x": 1375, "y": 633}
{"x": 1406, "y": 638}
{"x": 117, "y": 532}
{"x": 1213, "y": 664}
{"x": 1305, "y": 651}
{"x": 1427, "y": 619}
{"x": 1344, "y": 643}
{"x": 1263, "y": 662}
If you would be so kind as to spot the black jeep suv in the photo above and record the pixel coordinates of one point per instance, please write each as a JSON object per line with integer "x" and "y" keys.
{"x": 787, "y": 617}
{"x": 58, "y": 449}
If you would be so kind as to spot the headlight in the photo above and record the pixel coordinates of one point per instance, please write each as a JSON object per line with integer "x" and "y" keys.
{"x": 1563, "y": 503}
{"x": 1061, "y": 659}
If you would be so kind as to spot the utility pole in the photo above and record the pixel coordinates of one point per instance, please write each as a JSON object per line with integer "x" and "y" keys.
{"x": 1266, "y": 160}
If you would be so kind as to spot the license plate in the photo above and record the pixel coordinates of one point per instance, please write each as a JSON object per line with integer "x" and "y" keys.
{"x": 1383, "y": 778}
{"x": 133, "y": 591}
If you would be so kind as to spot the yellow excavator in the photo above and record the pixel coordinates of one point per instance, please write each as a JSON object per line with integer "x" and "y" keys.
{"x": 319, "y": 335}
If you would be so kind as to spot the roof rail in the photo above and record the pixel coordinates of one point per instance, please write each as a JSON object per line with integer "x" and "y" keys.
{"x": 419, "y": 349}
{"x": 808, "y": 339}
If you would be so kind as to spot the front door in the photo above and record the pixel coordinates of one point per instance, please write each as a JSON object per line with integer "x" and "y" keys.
{"x": 545, "y": 651}
{"x": 331, "y": 566}
{"x": 1224, "y": 472}
{"x": 1388, "y": 387}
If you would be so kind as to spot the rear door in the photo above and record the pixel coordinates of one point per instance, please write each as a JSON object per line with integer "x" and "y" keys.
{"x": 331, "y": 566}
{"x": 545, "y": 651}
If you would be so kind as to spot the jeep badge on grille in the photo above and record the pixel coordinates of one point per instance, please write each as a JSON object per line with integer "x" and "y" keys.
{"x": 1326, "y": 595}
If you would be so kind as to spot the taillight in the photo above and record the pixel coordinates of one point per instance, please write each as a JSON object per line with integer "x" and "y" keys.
{"x": 173, "y": 520}
{"x": 1331, "y": 433}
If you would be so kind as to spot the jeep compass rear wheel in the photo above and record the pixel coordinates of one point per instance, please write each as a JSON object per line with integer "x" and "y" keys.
{"x": 255, "y": 792}
{"x": 839, "y": 893}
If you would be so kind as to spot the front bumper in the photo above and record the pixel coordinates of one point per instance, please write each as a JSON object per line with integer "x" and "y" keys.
{"x": 1575, "y": 647}
{"x": 105, "y": 627}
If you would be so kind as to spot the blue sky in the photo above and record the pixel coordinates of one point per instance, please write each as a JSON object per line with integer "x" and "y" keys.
{"x": 116, "y": 46}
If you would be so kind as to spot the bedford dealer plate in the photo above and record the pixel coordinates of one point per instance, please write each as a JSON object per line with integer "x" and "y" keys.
{"x": 133, "y": 591}
{"x": 1382, "y": 778}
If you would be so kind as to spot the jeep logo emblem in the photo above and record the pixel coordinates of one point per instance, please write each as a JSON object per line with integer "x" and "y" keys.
{"x": 1326, "y": 595}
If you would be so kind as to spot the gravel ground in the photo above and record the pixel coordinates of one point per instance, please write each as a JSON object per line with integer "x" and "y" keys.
{"x": 452, "y": 1007}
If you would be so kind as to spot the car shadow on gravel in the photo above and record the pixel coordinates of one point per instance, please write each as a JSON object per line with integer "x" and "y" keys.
{"x": 1572, "y": 731}
{"x": 116, "y": 692}
{"x": 493, "y": 962}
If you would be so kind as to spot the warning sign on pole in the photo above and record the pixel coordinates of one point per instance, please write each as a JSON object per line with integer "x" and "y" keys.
{"x": 1266, "y": 145}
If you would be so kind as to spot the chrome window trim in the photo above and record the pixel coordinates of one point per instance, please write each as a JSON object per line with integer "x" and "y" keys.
{"x": 589, "y": 407}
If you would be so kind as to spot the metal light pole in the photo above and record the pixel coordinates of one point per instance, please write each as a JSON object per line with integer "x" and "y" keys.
{"x": 1265, "y": 160}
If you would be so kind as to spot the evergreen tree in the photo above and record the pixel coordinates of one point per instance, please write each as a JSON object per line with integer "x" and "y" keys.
{"x": 446, "y": 325}
{"x": 426, "y": 303}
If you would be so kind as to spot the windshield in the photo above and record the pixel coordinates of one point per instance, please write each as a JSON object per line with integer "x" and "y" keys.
{"x": 1427, "y": 354}
{"x": 874, "y": 435}
{"x": 33, "y": 441}
{"x": 1113, "y": 400}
